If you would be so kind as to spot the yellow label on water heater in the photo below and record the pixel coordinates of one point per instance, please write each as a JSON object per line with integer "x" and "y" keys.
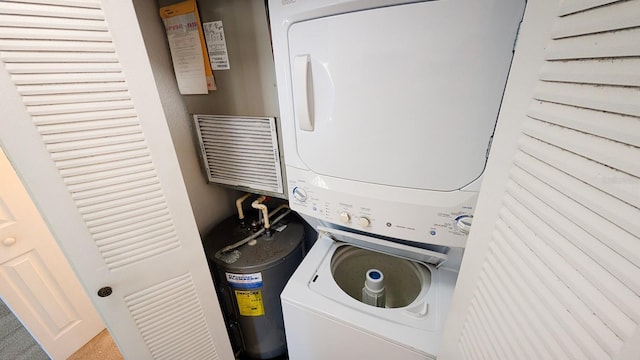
{"x": 250, "y": 302}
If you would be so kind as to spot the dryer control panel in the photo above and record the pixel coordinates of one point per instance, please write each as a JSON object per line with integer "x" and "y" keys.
{"x": 440, "y": 218}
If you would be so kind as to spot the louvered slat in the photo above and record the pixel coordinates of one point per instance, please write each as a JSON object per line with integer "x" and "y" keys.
{"x": 35, "y": 22}
{"x": 171, "y": 332}
{"x": 141, "y": 236}
{"x": 158, "y": 211}
{"x": 82, "y": 107}
{"x": 517, "y": 301}
{"x": 240, "y": 151}
{"x": 617, "y": 16}
{"x": 120, "y": 183}
{"x": 496, "y": 307}
{"x": 65, "y": 68}
{"x": 115, "y": 131}
{"x": 567, "y": 239}
{"x": 92, "y": 172}
{"x": 53, "y": 34}
{"x": 617, "y": 155}
{"x": 503, "y": 297}
{"x": 41, "y": 79}
{"x": 92, "y": 4}
{"x": 55, "y": 58}
{"x": 621, "y": 72}
{"x": 46, "y": 121}
{"x": 110, "y": 216}
{"x": 80, "y": 166}
{"x": 616, "y": 127}
{"x": 110, "y": 151}
{"x": 57, "y": 99}
{"x": 55, "y": 45}
{"x": 600, "y": 45}
{"x": 547, "y": 307}
{"x": 153, "y": 222}
{"x": 615, "y": 210}
{"x": 615, "y": 99}
{"x": 87, "y": 125}
{"x": 118, "y": 248}
{"x": 573, "y": 6}
{"x": 490, "y": 332}
{"x": 585, "y": 170}
{"x": 44, "y": 9}
{"x": 601, "y": 310}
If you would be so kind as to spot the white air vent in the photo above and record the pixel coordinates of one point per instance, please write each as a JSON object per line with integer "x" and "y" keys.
{"x": 241, "y": 152}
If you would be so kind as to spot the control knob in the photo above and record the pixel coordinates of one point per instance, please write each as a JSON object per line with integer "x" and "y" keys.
{"x": 364, "y": 221}
{"x": 345, "y": 217}
{"x": 463, "y": 223}
{"x": 299, "y": 194}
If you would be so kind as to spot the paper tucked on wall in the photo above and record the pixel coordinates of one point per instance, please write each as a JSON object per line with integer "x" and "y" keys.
{"x": 188, "y": 51}
{"x": 216, "y": 45}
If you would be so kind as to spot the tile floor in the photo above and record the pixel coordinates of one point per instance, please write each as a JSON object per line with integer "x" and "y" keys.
{"x": 100, "y": 347}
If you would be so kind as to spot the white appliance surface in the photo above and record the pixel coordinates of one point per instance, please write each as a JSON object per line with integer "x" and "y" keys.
{"x": 422, "y": 216}
{"x": 322, "y": 322}
{"x": 393, "y": 102}
{"x": 387, "y": 110}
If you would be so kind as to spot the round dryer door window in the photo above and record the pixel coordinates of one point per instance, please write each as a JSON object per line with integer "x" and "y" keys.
{"x": 378, "y": 279}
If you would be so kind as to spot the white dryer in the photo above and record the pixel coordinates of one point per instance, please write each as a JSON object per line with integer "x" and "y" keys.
{"x": 387, "y": 109}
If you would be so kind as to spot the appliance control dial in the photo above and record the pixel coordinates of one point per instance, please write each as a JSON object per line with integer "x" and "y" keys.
{"x": 463, "y": 223}
{"x": 299, "y": 194}
{"x": 345, "y": 217}
{"x": 364, "y": 221}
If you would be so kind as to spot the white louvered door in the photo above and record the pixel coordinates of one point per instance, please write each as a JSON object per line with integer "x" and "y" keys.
{"x": 552, "y": 267}
{"x": 83, "y": 125}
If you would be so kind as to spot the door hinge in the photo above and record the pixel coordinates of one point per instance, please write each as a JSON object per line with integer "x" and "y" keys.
{"x": 489, "y": 147}
{"x": 515, "y": 40}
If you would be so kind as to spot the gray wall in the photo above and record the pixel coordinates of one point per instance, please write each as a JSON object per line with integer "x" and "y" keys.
{"x": 211, "y": 203}
{"x": 249, "y": 87}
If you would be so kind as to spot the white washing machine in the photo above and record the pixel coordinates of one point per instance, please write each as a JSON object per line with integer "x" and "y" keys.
{"x": 325, "y": 317}
{"x": 387, "y": 112}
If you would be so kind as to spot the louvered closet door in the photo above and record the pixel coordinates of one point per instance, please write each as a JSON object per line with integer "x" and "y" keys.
{"x": 552, "y": 267}
{"x": 83, "y": 125}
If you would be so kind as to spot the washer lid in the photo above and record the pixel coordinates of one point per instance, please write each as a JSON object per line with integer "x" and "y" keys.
{"x": 389, "y": 247}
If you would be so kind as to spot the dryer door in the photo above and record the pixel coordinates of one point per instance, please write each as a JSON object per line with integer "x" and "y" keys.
{"x": 403, "y": 95}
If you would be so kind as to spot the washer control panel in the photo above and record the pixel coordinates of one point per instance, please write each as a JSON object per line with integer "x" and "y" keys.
{"x": 441, "y": 218}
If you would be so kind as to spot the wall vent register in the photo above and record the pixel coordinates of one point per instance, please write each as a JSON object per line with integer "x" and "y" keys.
{"x": 241, "y": 152}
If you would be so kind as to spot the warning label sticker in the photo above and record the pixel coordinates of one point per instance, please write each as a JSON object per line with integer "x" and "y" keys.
{"x": 244, "y": 281}
{"x": 250, "y": 302}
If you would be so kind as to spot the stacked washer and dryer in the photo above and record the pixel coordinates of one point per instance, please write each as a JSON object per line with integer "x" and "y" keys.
{"x": 388, "y": 110}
